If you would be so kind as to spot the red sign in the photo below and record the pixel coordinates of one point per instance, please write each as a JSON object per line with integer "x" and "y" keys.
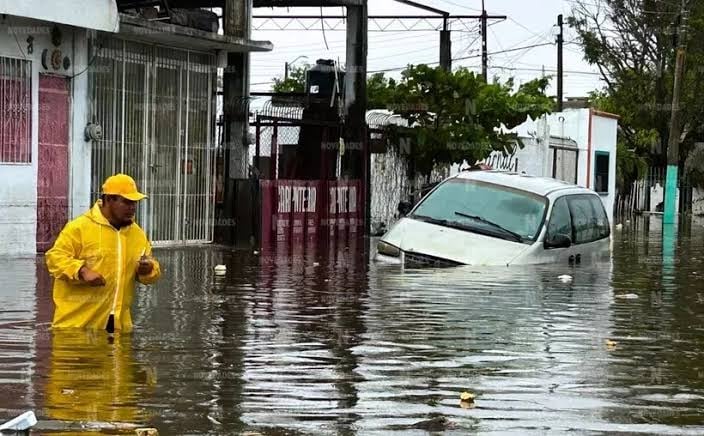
{"x": 304, "y": 211}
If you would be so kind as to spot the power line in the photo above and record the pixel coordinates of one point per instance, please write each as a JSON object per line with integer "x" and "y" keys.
{"x": 467, "y": 57}
{"x": 528, "y": 30}
{"x": 459, "y": 5}
{"x": 616, "y": 8}
{"x": 552, "y": 70}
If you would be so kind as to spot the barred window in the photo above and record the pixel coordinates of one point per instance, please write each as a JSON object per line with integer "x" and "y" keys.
{"x": 15, "y": 110}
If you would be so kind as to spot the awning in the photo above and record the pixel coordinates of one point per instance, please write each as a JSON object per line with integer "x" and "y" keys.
{"x": 186, "y": 37}
{"x": 88, "y": 14}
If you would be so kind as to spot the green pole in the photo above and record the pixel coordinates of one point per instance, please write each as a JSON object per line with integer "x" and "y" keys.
{"x": 669, "y": 216}
{"x": 670, "y": 206}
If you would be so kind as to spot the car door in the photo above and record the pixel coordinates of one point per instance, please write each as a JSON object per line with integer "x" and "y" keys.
{"x": 590, "y": 227}
{"x": 560, "y": 223}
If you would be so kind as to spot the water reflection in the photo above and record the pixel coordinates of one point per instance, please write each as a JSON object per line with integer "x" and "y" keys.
{"x": 94, "y": 379}
{"x": 318, "y": 340}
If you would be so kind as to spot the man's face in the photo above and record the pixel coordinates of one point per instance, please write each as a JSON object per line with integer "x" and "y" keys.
{"x": 122, "y": 209}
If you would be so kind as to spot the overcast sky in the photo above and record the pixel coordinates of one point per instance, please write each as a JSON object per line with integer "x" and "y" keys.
{"x": 528, "y": 23}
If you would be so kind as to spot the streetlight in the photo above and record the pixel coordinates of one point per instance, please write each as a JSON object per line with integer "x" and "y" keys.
{"x": 288, "y": 64}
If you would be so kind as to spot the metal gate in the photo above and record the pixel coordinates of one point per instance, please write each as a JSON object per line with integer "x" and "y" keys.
{"x": 155, "y": 105}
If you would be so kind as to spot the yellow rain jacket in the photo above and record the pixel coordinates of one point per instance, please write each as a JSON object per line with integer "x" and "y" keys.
{"x": 92, "y": 241}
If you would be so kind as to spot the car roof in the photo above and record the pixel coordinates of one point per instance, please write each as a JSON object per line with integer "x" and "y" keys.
{"x": 537, "y": 185}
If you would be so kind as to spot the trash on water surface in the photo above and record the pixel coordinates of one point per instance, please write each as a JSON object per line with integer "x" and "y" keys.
{"x": 220, "y": 270}
{"x": 467, "y": 396}
{"x": 147, "y": 431}
{"x": 316, "y": 264}
{"x": 565, "y": 278}
{"x": 467, "y": 400}
{"x": 19, "y": 423}
{"x": 611, "y": 344}
{"x": 67, "y": 391}
{"x": 627, "y": 296}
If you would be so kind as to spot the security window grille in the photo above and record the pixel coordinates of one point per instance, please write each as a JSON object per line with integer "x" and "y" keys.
{"x": 15, "y": 111}
{"x": 601, "y": 173}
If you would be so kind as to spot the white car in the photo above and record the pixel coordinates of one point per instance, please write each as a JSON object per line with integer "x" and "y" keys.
{"x": 500, "y": 218}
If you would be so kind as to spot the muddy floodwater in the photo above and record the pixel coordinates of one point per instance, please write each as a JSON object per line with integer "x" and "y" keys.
{"x": 327, "y": 342}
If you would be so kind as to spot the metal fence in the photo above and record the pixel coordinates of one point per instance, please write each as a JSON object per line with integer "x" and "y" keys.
{"x": 647, "y": 195}
{"x": 16, "y": 110}
{"x": 155, "y": 105}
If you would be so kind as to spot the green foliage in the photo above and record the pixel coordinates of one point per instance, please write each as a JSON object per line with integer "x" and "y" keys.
{"x": 633, "y": 42}
{"x": 456, "y": 116}
{"x": 380, "y": 91}
{"x": 296, "y": 81}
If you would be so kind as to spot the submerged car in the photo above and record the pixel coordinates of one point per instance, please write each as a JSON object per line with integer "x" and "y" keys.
{"x": 500, "y": 218}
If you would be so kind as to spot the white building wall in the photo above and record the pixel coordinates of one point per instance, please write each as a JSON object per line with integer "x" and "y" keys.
{"x": 18, "y": 189}
{"x": 604, "y": 132}
{"x": 89, "y": 14}
{"x": 573, "y": 124}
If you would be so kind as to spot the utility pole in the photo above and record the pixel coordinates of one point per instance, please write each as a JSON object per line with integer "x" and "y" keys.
{"x": 286, "y": 72}
{"x": 485, "y": 56}
{"x": 445, "y": 44}
{"x": 235, "y": 110}
{"x": 673, "y": 148}
{"x": 560, "y": 40}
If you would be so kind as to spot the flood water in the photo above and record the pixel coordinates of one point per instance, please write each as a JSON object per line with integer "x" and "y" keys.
{"x": 329, "y": 343}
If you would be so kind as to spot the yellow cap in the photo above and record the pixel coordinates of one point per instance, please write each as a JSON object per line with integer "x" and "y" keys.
{"x": 122, "y": 185}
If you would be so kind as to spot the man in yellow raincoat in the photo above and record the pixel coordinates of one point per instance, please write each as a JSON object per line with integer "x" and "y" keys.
{"x": 96, "y": 260}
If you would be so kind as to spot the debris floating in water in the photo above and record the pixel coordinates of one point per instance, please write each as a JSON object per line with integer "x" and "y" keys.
{"x": 565, "y": 278}
{"x": 467, "y": 396}
{"x": 627, "y": 296}
{"x": 20, "y": 423}
{"x": 67, "y": 391}
{"x": 611, "y": 344}
{"x": 220, "y": 270}
{"x": 467, "y": 400}
{"x": 619, "y": 226}
{"x": 147, "y": 431}
{"x": 316, "y": 264}
{"x": 256, "y": 252}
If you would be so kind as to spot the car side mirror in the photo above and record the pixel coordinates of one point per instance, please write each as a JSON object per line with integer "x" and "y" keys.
{"x": 404, "y": 207}
{"x": 559, "y": 240}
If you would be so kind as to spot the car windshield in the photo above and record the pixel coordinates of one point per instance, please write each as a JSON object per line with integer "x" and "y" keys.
{"x": 493, "y": 210}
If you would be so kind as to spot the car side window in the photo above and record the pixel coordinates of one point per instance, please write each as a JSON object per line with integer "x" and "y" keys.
{"x": 602, "y": 221}
{"x": 588, "y": 219}
{"x": 560, "y": 220}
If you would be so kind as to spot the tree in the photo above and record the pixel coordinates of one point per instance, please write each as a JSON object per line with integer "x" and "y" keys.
{"x": 296, "y": 81}
{"x": 380, "y": 91}
{"x": 454, "y": 116}
{"x": 632, "y": 43}
{"x": 457, "y": 116}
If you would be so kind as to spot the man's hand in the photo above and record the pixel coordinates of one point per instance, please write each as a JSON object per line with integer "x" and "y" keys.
{"x": 90, "y": 277}
{"x": 145, "y": 266}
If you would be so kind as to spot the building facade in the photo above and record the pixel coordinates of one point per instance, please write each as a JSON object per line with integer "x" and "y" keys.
{"x": 87, "y": 90}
